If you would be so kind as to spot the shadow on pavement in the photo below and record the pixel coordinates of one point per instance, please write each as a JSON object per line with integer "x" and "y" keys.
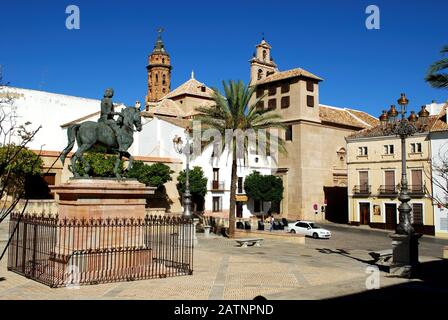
{"x": 429, "y": 285}
{"x": 346, "y": 254}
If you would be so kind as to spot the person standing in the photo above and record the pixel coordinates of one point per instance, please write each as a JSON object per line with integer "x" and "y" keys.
{"x": 271, "y": 227}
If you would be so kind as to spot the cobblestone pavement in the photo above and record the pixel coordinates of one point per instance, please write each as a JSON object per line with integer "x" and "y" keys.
{"x": 277, "y": 270}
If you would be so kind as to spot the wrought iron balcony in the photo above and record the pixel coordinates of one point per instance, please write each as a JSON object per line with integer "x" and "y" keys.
{"x": 416, "y": 190}
{"x": 362, "y": 190}
{"x": 217, "y": 185}
{"x": 388, "y": 190}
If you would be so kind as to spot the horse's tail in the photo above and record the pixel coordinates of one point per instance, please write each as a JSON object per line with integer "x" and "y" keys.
{"x": 71, "y": 135}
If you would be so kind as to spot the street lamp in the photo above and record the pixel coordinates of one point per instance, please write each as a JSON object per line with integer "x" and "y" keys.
{"x": 180, "y": 148}
{"x": 404, "y": 240}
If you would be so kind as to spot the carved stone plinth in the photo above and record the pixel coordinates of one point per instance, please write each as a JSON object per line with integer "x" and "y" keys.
{"x": 102, "y": 198}
{"x": 404, "y": 255}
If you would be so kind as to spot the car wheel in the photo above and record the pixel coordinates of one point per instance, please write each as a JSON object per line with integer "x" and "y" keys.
{"x": 293, "y": 231}
{"x": 315, "y": 235}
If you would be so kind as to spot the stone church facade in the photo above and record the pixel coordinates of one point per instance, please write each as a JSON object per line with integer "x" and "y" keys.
{"x": 314, "y": 170}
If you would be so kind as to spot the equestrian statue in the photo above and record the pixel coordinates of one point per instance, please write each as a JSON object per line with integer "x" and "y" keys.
{"x": 115, "y": 135}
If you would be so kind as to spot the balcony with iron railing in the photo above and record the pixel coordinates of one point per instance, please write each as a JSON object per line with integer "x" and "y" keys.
{"x": 416, "y": 190}
{"x": 388, "y": 191}
{"x": 362, "y": 190}
{"x": 217, "y": 185}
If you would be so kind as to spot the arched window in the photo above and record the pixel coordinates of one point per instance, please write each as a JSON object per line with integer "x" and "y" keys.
{"x": 163, "y": 79}
{"x": 157, "y": 78}
{"x": 264, "y": 55}
{"x": 163, "y": 60}
{"x": 260, "y": 74}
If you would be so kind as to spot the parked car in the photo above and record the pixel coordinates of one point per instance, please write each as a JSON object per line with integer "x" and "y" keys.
{"x": 310, "y": 229}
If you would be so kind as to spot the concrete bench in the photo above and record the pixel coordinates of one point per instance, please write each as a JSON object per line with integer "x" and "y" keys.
{"x": 249, "y": 241}
{"x": 383, "y": 255}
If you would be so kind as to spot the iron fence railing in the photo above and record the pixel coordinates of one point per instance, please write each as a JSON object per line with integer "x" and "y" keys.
{"x": 362, "y": 189}
{"x": 63, "y": 252}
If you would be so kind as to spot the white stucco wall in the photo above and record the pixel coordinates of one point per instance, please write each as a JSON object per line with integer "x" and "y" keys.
{"x": 439, "y": 150}
{"x": 50, "y": 111}
{"x": 156, "y": 139}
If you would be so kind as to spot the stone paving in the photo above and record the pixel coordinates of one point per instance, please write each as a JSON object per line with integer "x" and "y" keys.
{"x": 277, "y": 270}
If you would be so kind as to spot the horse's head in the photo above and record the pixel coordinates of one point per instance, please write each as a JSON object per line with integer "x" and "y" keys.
{"x": 131, "y": 118}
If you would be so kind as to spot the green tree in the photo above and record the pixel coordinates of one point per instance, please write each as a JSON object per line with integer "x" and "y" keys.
{"x": 101, "y": 164}
{"x": 233, "y": 112}
{"x": 435, "y": 77}
{"x": 155, "y": 175}
{"x": 264, "y": 187}
{"x": 198, "y": 185}
{"x": 17, "y": 163}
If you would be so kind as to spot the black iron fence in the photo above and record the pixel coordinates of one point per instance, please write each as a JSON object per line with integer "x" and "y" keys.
{"x": 67, "y": 252}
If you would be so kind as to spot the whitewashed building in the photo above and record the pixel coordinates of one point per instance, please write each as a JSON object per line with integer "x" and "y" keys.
{"x": 439, "y": 157}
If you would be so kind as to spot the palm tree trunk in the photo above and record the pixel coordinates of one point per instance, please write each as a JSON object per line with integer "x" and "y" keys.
{"x": 233, "y": 182}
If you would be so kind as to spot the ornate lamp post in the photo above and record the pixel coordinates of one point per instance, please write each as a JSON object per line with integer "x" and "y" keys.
{"x": 404, "y": 240}
{"x": 180, "y": 148}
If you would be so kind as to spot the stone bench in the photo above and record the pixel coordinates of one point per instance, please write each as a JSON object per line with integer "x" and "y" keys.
{"x": 249, "y": 241}
{"x": 383, "y": 255}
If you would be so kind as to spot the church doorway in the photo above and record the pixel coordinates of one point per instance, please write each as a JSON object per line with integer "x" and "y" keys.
{"x": 337, "y": 204}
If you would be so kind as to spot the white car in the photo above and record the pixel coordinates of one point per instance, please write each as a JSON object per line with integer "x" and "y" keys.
{"x": 309, "y": 228}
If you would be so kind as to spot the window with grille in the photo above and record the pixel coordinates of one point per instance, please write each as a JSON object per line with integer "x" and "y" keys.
{"x": 260, "y": 93}
{"x": 272, "y": 104}
{"x": 417, "y": 213}
{"x": 272, "y": 90}
{"x": 285, "y": 102}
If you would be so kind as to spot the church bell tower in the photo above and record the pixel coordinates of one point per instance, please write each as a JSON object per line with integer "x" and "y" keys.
{"x": 159, "y": 71}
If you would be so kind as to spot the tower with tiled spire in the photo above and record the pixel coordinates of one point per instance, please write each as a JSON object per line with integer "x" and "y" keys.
{"x": 262, "y": 64}
{"x": 159, "y": 71}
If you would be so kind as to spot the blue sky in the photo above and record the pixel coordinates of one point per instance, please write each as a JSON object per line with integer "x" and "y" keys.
{"x": 364, "y": 69}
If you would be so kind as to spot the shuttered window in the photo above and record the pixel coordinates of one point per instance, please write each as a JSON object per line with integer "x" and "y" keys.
{"x": 389, "y": 177}
{"x": 363, "y": 178}
{"x": 417, "y": 213}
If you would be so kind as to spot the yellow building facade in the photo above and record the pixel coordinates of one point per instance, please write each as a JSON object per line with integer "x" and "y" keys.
{"x": 374, "y": 176}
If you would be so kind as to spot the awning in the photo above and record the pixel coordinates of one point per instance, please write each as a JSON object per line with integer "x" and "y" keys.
{"x": 241, "y": 198}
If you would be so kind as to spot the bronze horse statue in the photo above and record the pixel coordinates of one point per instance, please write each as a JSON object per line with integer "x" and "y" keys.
{"x": 90, "y": 133}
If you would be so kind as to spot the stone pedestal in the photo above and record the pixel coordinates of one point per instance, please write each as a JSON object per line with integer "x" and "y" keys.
{"x": 404, "y": 255}
{"x": 102, "y": 198}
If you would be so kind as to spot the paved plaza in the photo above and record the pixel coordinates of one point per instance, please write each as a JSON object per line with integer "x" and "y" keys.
{"x": 319, "y": 269}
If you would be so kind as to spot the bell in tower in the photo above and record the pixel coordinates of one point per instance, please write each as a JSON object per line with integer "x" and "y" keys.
{"x": 159, "y": 71}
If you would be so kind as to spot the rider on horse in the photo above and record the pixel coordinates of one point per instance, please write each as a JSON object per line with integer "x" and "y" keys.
{"x": 107, "y": 116}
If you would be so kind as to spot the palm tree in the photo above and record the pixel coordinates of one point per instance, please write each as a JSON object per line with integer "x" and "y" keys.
{"x": 436, "y": 78}
{"x": 233, "y": 111}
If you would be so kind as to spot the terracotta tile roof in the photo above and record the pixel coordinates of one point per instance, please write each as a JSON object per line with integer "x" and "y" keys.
{"x": 288, "y": 74}
{"x": 365, "y": 117}
{"x": 191, "y": 87}
{"x": 183, "y": 123}
{"x": 346, "y": 117}
{"x": 422, "y": 125}
{"x": 166, "y": 107}
{"x": 441, "y": 123}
